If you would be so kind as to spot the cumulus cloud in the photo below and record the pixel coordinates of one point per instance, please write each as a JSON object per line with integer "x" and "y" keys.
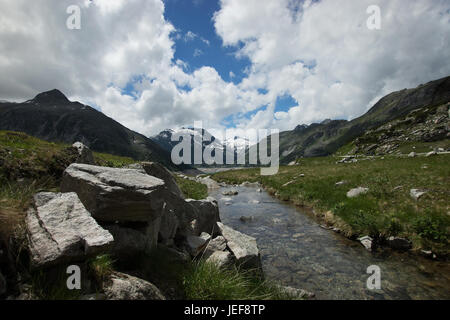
{"x": 323, "y": 55}
{"x": 320, "y": 53}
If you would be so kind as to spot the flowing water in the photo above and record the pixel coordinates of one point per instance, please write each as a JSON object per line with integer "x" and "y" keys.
{"x": 297, "y": 252}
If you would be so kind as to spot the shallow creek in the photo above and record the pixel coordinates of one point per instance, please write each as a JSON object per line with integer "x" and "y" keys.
{"x": 297, "y": 252}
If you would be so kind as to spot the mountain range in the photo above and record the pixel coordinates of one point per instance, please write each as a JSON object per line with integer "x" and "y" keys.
{"x": 325, "y": 138}
{"x": 51, "y": 116}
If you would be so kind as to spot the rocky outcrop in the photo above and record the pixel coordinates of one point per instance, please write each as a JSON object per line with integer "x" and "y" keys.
{"x": 207, "y": 214}
{"x": 112, "y": 194}
{"x": 157, "y": 170}
{"x": 60, "y": 229}
{"x": 121, "y": 286}
{"x": 242, "y": 246}
{"x": 128, "y": 242}
{"x": 85, "y": 155}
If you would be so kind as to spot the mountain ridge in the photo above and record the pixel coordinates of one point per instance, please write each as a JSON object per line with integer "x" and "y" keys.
{"x": 52, "y": 117}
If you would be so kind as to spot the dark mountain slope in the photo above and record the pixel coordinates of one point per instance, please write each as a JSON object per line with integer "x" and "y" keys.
{"x": 51, "y": 116}
{"x": 325, "y": 138}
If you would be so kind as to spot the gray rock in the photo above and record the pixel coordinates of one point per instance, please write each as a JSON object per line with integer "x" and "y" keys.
{"x": 399, "y": 243}
{"x": 112, "y": 194}
{"x": 296, "y": 293}
{"x": 84, "y": 153}
{"x": 221, "y": 258}
{"x": 217, "y": 244}
{"x": 412, "y": 155}
{"x": 60, "y": 229}
{"x": 207, "y": 214}
{"x": 431, "y": 153}
{"x": 210, "y": 183}
{"x": 247, "y": 219}
{"x": 356, "y": 192}
{"x": 2, "y": 284}
{"x": 230, "y": 193}
{"x": 206, "y": 236}
{"x": 340, "y": 183}
{"x": 366, "y": 241}
{"x": 128, "y": 242}
{"x": 242, "y": 246}
{"x": 121, "y": 286}
{"x": 157, "y": 170}
{"x": 195, "y": 245}
{"x": 259, "y": 190}
{"x": 168, "y": 225}
{"x": 416, "y": 193}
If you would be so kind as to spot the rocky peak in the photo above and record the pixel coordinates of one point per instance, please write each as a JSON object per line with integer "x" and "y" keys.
{"x": 52, "y": 96}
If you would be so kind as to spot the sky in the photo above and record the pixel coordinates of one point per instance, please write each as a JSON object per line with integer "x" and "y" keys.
{"x": 158, "y": 64}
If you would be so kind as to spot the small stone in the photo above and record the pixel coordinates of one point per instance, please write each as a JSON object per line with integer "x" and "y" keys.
{"x": 366, "y": 241}
{"x": 230, "y": 193}
{"x": 247, "y": 219}
{"x": 340, "y": 183}
{"x": 356, "y": 192}
{"x": 412, "y": 155}
{"x": 416, "y": 193}
{"x": 399, "y": 243}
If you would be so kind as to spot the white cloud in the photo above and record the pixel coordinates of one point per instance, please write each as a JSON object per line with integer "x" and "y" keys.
{"x": 319, "y": 53}
{"x": 353, "y": 66}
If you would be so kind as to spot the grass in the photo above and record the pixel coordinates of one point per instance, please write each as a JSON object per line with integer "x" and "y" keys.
{"x": 51, "y": 285}
{"x": 29, "y": 165}
{"x": 207, "y": 281}
{"x": 387, "y": 209}
{"x": 192, "y": 189}
{"x": 101, "y": 267}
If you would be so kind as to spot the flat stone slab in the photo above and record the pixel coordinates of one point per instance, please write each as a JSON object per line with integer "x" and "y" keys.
{"x": 60, "y": 229}
{"x": 112, "y": 194}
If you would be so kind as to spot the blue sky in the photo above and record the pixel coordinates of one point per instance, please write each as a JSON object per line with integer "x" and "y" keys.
{"x": 197, "y": 44}
{"x": 196, "y": 16}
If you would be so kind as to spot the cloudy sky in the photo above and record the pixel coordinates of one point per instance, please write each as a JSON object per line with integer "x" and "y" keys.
{"x": 153, "y": 64}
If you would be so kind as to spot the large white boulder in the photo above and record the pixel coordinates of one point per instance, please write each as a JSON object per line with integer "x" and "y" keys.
{"x": 60, "y": 229}
{"x": 112, "y": 194}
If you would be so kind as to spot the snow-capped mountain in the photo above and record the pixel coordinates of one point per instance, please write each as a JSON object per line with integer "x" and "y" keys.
{"x": 164, "y": 139}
